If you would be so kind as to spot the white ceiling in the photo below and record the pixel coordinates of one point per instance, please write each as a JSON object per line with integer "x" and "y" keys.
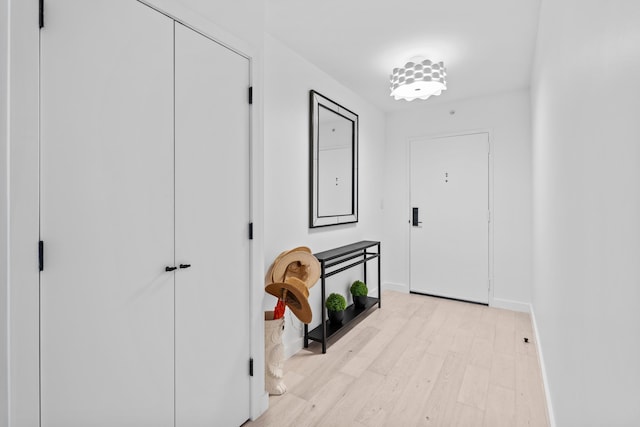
{"x": 487, "y": 45}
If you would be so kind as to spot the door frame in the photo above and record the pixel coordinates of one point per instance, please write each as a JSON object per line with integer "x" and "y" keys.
{"x": 429, "y": 137}
{"x": 20, "y": 133}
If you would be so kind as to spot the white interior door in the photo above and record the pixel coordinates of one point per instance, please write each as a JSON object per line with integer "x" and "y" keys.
{"x": 106, "y": 215}
{"x": 212, "y": 220}
{"x": 450, "y": 239}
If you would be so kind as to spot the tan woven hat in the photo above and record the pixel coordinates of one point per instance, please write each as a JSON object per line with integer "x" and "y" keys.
{"x": 268, "y": 278}
{"x": 299, "y": 263}
{"x": 295, "y": 294}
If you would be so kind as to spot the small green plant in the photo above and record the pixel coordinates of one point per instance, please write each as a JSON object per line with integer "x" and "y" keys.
{"x": 359, "y": 289}
{"x": 335, "y": 302}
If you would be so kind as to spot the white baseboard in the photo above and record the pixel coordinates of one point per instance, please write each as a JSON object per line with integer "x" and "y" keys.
{"x": 398, "y": 287}
{"x": 545, "y": 382}
{"x": 511, "y": 305}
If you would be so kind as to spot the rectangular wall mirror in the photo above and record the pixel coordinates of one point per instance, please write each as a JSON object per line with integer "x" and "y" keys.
{"x": 334, "y": 163}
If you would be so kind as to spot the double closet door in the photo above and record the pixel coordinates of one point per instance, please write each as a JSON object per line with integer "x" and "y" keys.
{"x": 144, "y": 165}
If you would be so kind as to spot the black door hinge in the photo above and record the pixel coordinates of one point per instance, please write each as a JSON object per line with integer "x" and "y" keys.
{"x": 41, "y": 13}
{"x": 250, "y": 231}
{"x": 41, "y": 255}
{"x": 251, "y": 367}
{"x": 250, "y": 94}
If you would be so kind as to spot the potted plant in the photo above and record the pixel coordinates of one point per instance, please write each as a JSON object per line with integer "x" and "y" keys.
{"x": 335, "y": 305}
{"x": 359, "y": 292}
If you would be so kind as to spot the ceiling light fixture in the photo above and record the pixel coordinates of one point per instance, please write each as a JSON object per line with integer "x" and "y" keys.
{"x": 418, "y": 79}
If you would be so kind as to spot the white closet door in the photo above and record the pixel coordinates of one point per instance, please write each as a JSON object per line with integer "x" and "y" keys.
{"x": 212, "y": 216}
{"x": 107, "y": 326}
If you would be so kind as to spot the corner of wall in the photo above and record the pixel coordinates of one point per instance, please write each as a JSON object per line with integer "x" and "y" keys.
{"x": 511, "y": 305}
{"x": 398, "y": 287}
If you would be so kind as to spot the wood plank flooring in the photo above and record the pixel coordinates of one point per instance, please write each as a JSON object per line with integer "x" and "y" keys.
{"x": 418, "y": 361}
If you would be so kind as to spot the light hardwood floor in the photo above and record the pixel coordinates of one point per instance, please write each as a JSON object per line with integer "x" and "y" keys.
{"x": 418, "y": 361}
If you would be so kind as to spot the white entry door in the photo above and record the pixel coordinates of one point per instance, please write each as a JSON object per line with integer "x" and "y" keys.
{"x": 106, "y": 319}
{"x": 450, "y": 217}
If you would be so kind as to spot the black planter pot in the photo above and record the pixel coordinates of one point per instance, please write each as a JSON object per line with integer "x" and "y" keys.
{"x": 336, "y": 317}
{"x": 360, "y": 302}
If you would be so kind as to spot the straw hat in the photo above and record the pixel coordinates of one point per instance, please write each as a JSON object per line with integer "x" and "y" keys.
{"x": 299, "y": 263}
{"x": 295, "y": 294}
{"x": 268, "y": 278}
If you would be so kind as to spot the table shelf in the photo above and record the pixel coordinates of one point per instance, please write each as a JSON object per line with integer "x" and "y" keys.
{"x": 351, "y": 314}
{"x": 333, "y": 262}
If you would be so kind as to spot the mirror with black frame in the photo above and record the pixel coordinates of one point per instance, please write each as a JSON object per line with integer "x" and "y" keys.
{"x": 334, "y": 163}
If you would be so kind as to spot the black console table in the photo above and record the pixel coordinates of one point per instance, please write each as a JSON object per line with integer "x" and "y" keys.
{"x": 335, "y": 261}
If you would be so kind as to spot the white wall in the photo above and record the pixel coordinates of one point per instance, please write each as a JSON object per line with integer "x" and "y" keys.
{"x": 4, "y": 105}
{"x": 507, "y": 118}
{"x": 288, "y": 78}
{"x": 21, "y": 54}
{"x": 586, "y": 169}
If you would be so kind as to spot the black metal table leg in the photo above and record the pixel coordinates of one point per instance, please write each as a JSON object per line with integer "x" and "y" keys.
{"x": 379, "y": 278}
{"x": 324, "y": 312}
